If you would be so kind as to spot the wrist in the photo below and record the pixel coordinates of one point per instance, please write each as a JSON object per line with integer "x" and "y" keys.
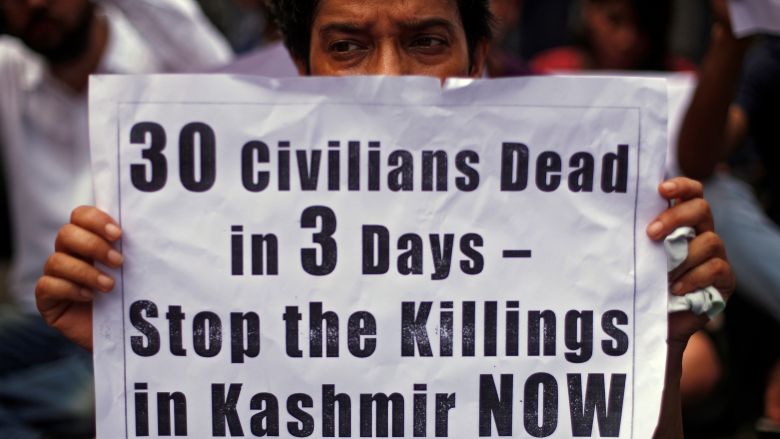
{"x": 676, "y": 347}
{"x": 674, "y": 361}
{"x": 723, "y": 38}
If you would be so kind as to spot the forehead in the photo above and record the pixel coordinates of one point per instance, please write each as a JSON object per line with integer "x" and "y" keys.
{"x": 379, "y": 12}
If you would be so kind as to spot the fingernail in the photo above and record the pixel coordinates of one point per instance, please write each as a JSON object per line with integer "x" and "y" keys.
{"x": 105, "y": 282}
{"x": 113, "y": 231}
{"x": 677, "y": 288}
{"x": 668, "y": 186}
{"x": 114, "y": 257}
{"x": 655, "y": 228}
{"x": 87, "y": 294}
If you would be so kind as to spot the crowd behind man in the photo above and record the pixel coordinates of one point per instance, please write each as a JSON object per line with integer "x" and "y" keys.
{"x": 56, "y": 44}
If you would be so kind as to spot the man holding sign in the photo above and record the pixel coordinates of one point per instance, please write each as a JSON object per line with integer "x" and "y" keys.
{"x": 440, "y": 38}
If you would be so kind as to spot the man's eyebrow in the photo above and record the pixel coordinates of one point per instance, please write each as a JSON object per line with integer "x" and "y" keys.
{"x": 345, "y": 27}
{"x": 427, "y": 23}
{"x": 409, "y": 26}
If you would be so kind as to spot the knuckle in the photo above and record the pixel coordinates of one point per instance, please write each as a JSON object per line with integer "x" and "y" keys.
{"x": 712, "y": 242}
{"x": 668, "y": 216}
{"x": 74, "y": 239}
{"x": 62, "y": 235}
{"x": 84, "y": 272}
{"x": 42, "y": 286}
{"x": 97, "y": 249}
{"x": 693, "y": 185}
{"x": 701, "y": 205}
{"x": 697, "y": 186}
{"x": 720, "y": 267}
{"x": 52, "y": 262}
{"x": 67, "y": 237}
{"x": 705, "y": 205}
{"x": 66, "y": 231}
{"x": 79, "y": 213}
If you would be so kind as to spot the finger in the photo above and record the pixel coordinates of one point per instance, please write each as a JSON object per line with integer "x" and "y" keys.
{"x": 80, "y": 242}
{"x": 691, "y": 213}
{"x": 75, "y": 270}
{"x": 67, "y": 307}
{"x": 681, "y": 188}
{"x": 52, "y": 292}
{"x": 96, "y": 221}
{"x": 706, "y": 246}
{"x": 716, "y": 272}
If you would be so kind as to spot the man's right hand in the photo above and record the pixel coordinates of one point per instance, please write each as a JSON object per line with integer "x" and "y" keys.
{"x": 65, "y": 292}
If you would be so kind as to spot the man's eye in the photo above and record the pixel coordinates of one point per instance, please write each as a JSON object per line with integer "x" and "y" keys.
{"x": 429, "y": 41}
{"x": 344, "y": 46}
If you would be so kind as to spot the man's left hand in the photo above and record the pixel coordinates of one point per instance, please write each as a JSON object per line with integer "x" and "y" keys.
{"x": 706, "y": 263}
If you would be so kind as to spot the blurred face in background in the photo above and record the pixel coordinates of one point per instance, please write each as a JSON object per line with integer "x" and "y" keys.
{"x": 612, "y": 28}
{"x": 57, "y": 29}
{"x": 507, "y": 14}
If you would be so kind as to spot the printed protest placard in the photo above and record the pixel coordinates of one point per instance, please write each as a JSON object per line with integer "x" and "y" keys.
{"x": 380, "y": 257}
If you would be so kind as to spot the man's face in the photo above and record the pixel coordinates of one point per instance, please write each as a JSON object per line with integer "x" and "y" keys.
{"x": 390, "y": 37}
{"x": 47, "y": 26}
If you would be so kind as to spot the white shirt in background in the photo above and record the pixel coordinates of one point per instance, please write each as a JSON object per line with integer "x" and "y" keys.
{"x": 43, "y": 125}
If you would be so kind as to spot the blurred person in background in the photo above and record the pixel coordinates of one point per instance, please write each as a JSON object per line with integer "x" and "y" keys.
{"x": 501, "y": 61}
{"x": 268, "y": 56}
{"x": 245, "y": 23}
{"x": 48, "y": 49}
{"x": 734, "y": 110}
{"x": 633, "y": 36}
{"x": 617, "y": 35}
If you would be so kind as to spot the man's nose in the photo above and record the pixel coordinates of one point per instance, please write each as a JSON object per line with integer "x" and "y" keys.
{"x": 388, "y": 60}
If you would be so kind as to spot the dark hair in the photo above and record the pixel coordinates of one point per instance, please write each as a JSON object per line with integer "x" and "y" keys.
{"x": 296, "y": 17}
{"x": 654, "y": 18}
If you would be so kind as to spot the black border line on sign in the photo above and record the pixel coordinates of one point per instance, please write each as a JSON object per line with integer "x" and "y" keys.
{"x": 636, "y": 208}
{"x": 122, "y": 268}
{"x": 636, "y": 205}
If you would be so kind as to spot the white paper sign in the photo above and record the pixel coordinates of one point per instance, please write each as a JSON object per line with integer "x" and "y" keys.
{"x": 750, "y": 17}
{"x": 373, "y": 257}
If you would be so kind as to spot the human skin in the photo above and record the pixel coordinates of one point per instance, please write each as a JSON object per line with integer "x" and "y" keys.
{"x": 714, "y": 127}
{"x": 772, "y": 395}
{"x": 370, "y": 37}
{"x": 49, "y": 27}
{"x": 42, "y": 24}
{"x": 390, "y": 37}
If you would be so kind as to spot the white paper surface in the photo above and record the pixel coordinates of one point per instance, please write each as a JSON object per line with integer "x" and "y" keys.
{"x": 588, "y": 254}
{"x": 680, "y": 89}
{"x": 749, "y": 17}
